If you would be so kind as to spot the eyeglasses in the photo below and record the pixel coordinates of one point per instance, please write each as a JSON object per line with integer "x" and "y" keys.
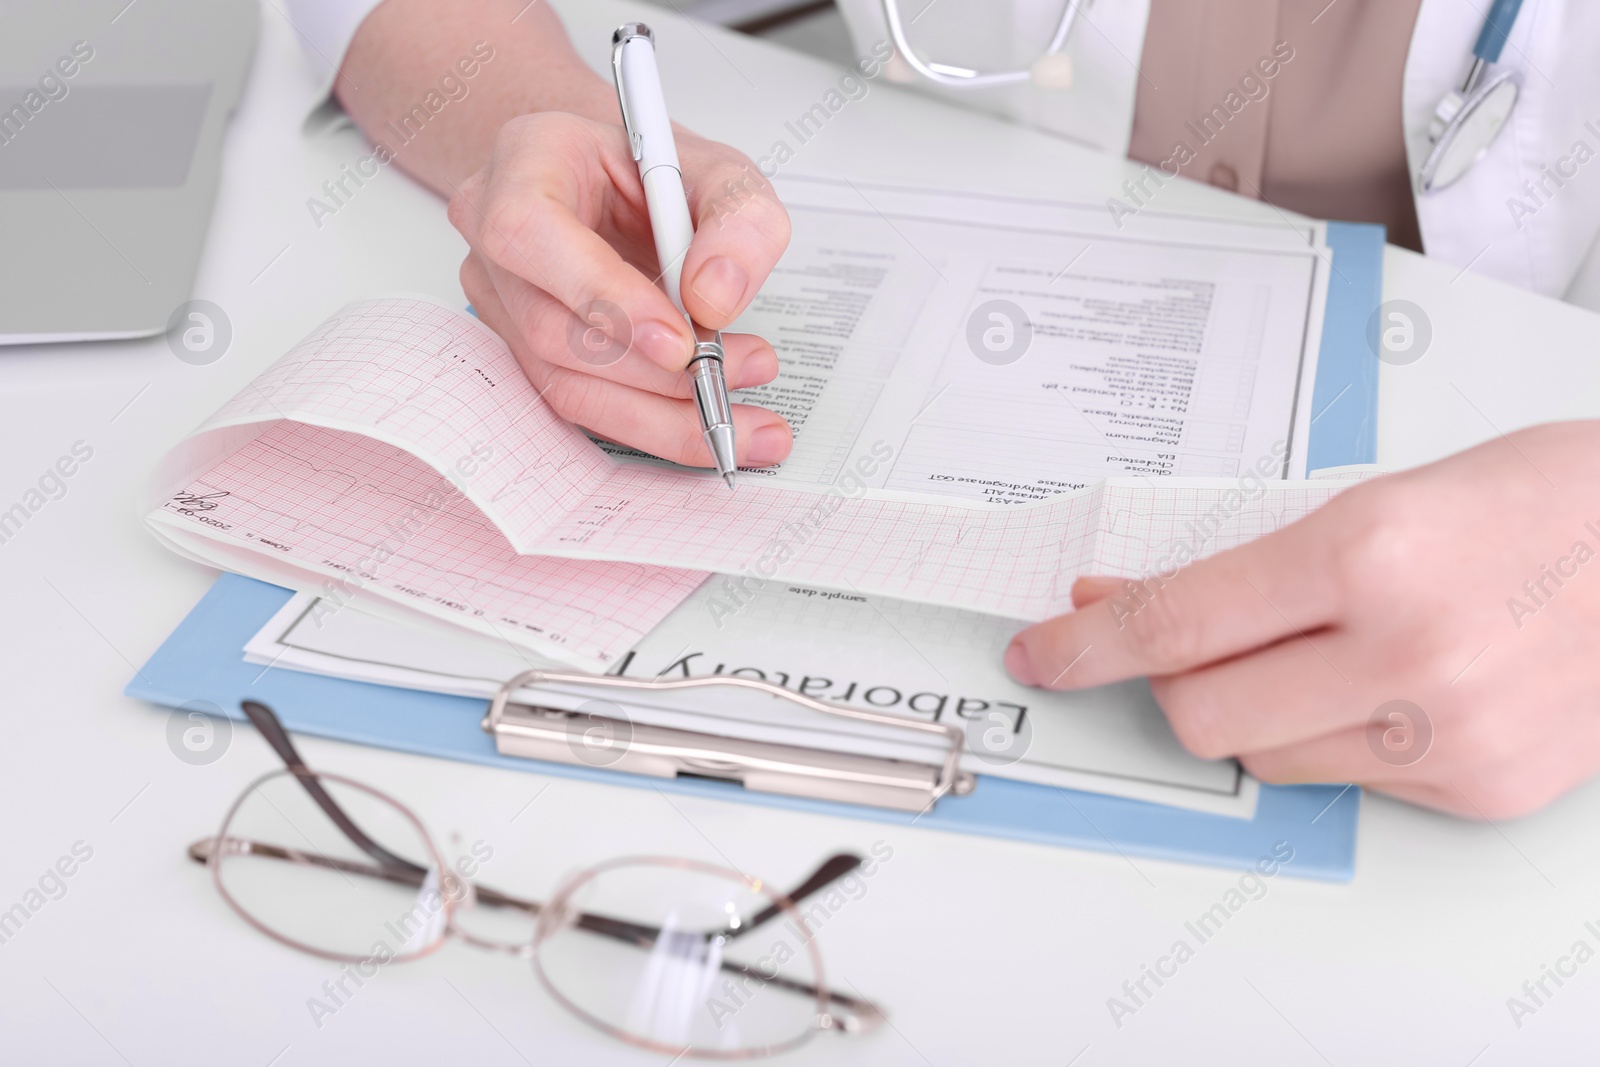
{"x": 664, "y": 953}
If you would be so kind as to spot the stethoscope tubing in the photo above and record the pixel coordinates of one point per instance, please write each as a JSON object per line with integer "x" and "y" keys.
{"x": 1462, "y": 106}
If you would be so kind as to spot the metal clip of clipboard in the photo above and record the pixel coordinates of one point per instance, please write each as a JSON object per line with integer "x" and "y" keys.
{"x": 544, "y": 733}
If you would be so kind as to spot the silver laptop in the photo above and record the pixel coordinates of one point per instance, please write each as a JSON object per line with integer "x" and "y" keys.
{"x": 111, "y": 122}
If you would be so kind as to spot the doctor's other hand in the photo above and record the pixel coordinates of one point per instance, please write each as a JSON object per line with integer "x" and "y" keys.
{"x": 1468, "y": 588}
{"x": 563, "y": 267}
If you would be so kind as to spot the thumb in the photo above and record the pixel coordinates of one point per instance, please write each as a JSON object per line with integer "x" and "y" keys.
{"x": 741, "y": 229}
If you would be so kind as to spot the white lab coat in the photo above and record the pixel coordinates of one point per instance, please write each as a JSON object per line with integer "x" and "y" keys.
{"x": 1545, "y": 240}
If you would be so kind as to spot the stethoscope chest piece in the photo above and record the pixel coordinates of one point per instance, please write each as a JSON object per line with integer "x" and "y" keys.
{"x": 1464, "y": 126}
{"x": 1467, "y": 121}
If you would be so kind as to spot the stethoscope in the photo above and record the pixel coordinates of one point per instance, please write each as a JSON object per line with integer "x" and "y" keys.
{"x": 1466, "y": 122}
{"x": 1053, "y": 69}
{"x": 1464, "y": 125}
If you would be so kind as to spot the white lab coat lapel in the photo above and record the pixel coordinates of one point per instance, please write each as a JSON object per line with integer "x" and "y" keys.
{"x": 1555, "y": 43}
{"x": 1556, "y": 46}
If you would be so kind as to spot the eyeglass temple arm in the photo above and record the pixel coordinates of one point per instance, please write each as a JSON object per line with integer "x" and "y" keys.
{"x": 411, "y": 875}
{"x": 829, "y": 871}
{"x": 267, "y": 722}
{"x": 866, "y": 1013}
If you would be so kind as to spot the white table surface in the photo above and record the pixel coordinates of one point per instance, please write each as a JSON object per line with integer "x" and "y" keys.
{"x": 985, "y": 951}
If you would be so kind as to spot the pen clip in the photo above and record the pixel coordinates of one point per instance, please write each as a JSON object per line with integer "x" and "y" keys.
{"x": 628, "y": 31}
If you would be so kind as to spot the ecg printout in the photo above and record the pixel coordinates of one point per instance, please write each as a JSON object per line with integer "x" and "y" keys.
{"x": 554, "y": 493}
{"x": 365, "y": 517}
{"x": 920, "y": 472}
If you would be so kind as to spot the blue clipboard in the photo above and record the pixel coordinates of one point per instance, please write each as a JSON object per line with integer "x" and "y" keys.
{"x": 203, "y": 660}
{"x": 1344, "y": 401}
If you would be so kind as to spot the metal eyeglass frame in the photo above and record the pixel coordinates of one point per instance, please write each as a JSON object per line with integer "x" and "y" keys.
{"x": 835, "y": 1011}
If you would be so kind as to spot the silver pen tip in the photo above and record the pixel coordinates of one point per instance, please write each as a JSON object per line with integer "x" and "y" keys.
{"x": 727, "y": 476}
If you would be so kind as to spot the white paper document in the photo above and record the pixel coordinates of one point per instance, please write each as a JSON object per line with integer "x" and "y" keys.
{"x": 991, "y": 397}
{"x": 929, "y": 663}
{"x": 1188, "y": 351}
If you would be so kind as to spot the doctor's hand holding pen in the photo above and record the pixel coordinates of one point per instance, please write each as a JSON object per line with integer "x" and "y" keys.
{"x": 543, "y": 186}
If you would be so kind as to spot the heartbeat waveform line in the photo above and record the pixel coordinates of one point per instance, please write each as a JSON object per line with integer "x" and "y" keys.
{"x": 558, "y": 466}
{"x": 408, "y": 503}
{"x": 363, "y": 368}
{"x": 319, "y": 385}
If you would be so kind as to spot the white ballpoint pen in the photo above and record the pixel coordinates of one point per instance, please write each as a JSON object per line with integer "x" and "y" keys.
{"x": 644, "y": 116}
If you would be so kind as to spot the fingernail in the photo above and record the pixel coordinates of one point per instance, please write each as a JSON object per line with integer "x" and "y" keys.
{"x": 721, "y": 284}
{"x": 768, "y": 445}
{"x": 1019, "y": 665}
{"x": 662, "y": 345}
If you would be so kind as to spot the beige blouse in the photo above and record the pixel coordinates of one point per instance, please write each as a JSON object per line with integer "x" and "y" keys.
{"x": 1296, "y": 102}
